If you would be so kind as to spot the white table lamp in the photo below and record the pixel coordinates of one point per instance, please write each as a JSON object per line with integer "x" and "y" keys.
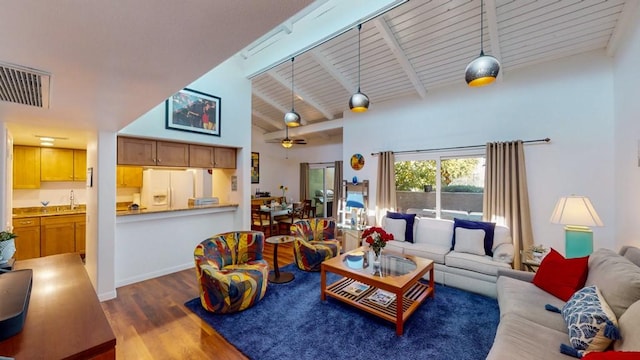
{"x": 577, "y": 214}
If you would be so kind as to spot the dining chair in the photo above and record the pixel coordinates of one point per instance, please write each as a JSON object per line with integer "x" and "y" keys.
{"x": 261, "y": 221}
{"x": 285, "y": 222}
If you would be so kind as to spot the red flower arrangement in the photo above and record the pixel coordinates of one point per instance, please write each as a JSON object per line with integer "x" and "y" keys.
{"x": 377, "y": 238}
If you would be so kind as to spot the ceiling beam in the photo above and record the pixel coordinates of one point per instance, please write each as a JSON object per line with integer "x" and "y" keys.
{"x": 392, "y": 42}
{"x": 265, "y": 118}
{"x": 328, "y": 67}
{"x": 494, "y": 38}
{"x": 627, "y": 14}
{"x": 273, "y": 103}
{"x": 318, "y": 127}
{"x": 307, "y": 97}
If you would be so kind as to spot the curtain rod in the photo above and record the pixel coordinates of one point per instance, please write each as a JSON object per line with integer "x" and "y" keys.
{"x": 545, "y": 140}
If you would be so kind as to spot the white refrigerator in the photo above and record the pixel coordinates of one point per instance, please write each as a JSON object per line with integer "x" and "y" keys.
{"x": 166, "y": 189}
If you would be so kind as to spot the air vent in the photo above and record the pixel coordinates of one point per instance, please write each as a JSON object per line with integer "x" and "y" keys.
{"x": 22, "y": 85}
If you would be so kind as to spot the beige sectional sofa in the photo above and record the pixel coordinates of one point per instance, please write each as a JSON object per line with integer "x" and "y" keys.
{"x": 465, "y": 270}
{"x": 528, "y": 331}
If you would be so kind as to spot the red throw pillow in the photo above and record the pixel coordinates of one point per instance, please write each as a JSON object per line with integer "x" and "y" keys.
{"x": 561, "y": 277}
{"x": 612, "y": 355}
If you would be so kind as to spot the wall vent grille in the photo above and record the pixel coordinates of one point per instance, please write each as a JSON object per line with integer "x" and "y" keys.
{"x": 22, "y": 85}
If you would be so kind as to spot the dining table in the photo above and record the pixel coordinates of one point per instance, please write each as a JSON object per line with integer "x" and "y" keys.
{"x": 276, "y": 211}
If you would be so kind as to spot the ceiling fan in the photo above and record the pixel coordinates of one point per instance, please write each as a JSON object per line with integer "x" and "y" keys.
{"x": 288, "y": 142}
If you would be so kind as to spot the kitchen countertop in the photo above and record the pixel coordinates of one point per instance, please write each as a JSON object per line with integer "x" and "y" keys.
{"x": 150, "y": 211}
{"x": 28, "y": 212}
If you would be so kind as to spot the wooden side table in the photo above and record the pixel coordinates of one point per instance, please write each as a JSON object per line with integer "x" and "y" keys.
{"x": 276, "y": 276}
{"x": 531, "y": 265}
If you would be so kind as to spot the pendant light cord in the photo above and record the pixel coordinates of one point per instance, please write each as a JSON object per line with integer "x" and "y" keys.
{"x": 292, "y": 84}
{"x": 359, "y": 29}
{"x": 481, "y": 27}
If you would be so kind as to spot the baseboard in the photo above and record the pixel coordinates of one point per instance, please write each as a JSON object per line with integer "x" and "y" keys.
{"x": 109, "y": 295}
{"x": 154, "y": 274}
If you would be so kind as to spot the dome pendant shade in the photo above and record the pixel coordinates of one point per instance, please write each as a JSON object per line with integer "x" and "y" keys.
{"x": 359, "y": 102}
{"x": 292, "y": 118}
{"x": 287, "y": 143}
{"x": 482, "y": 71}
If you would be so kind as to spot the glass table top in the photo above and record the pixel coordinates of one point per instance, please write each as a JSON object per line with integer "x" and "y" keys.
{"x": 390, "y": 264}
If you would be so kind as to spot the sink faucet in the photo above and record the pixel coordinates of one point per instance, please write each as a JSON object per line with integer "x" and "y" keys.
{"x": 72, "y": 201}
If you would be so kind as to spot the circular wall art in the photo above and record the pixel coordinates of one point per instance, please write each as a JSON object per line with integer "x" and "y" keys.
{"x": 357, "y": 161}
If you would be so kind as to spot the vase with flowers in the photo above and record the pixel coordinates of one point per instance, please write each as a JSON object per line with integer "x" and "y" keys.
{"x": 284, "y": 195}
{"x": 377, "y": 239}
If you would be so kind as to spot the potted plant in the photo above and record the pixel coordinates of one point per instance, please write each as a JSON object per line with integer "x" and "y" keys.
{"x": 7, "y": 245}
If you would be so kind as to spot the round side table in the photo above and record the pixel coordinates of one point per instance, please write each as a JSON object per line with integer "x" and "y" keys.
{"x": 276, "y": 276}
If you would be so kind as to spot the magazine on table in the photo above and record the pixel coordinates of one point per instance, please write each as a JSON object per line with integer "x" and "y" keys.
{"x": 356, "y": 288}
{"x": 382, "y": 297}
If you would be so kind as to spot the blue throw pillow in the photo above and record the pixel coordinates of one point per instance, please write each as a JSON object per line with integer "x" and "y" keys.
{"x": 488, "y": 228}
{"x": 409, "y": 218}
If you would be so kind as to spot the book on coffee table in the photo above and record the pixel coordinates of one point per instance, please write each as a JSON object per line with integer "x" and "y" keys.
{"x": 382, "y": 297}
{"x": 356, "y": 288}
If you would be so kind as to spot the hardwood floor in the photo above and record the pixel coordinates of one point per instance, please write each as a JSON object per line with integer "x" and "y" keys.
{"x": 150, "y": 320}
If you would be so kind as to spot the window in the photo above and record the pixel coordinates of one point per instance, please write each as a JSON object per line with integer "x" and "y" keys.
{"x": 441, "y": 187}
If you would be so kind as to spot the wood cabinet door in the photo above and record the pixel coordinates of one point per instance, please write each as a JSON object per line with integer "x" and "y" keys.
{"x": 172, "y": 154}
{"x": 201, "y": 156}
{"x": 79, "y": 165}
{"x": 57, "y": 238}
{"x": 26, "y": 167}
{"x": 133, "y": 151}
{"x": 56, "y": 164}
{"x": 81, "y": 235}
{"x": 225, "y": 158}
{"x": 129, "y": 176}
{"x": 28, "y": 240}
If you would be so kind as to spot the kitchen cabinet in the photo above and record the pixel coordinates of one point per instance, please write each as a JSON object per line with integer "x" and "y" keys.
{"x": 134, "y": 151}
{"x": 172, "y": 154}
{"x": 62, "y": 164}
{"x": 225, "y": 158}
{"x": 201, "y": 156}
{"x": 62, "y": 234}
{"x": 129, "y": 176}
{"x": 26, "y": 167}
{"x": 28, "y": 240}
{"x": 79, "y": 165}
{"x": 56, "y": 164}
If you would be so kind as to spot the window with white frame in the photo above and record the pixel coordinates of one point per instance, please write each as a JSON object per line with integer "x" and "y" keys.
{"x": 440, "y": 186}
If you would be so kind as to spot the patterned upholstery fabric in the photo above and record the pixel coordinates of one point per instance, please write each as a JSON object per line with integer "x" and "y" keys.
{"x": 232, "y": 274}
{"x": 314, "y": 243}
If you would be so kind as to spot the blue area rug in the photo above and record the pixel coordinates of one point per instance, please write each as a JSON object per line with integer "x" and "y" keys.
{"x": 291, "y": 322}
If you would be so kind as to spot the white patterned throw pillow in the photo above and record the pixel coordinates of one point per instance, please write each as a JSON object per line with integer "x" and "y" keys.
{"x": 591, "y": 322}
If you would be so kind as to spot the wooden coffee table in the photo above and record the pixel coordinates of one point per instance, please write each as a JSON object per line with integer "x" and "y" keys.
{"x": 400, "y": 275}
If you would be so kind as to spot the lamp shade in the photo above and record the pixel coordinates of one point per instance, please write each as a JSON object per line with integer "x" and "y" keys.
{"x": 482, "y": 71}
{"x": 359, "y": 102}
{"x": 355, "y": 200}
{"x": 292, "y": 119}
{"x": 576, "y": 211}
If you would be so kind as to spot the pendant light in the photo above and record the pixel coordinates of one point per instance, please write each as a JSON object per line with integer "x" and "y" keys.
{"x": 292, "y": 118}
{"x": 359, "y": 102}
{"x": 286, "y": 142}
{"x": 485, "y": 68}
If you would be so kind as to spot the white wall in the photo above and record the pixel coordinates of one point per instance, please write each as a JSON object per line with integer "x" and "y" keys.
{"x": 57, "y": 193}
{"x": 280, "y": 166}
{"x": 626, "y": 77}
{"x": 555, "y": 100}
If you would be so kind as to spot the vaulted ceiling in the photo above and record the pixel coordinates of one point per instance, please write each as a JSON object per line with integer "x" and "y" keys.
{"x": 422, "y": 45}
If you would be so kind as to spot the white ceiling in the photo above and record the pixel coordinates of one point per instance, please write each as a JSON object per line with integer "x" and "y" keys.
{"x": 422, "y": 45}
{"x": 113, "y": 61}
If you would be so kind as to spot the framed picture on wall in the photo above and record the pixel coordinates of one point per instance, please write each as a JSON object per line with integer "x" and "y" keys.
{"x": 195, "y": 111}
{"x": 255, "y": 168}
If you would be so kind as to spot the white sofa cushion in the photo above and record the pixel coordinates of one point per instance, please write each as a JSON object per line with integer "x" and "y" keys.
{"x": 437, "y": 232}
{"x": 470, "y": 241}
{"x": 396, "y": 227}
{"x": 482, "y": 264}
{"x": 427, "y": 251}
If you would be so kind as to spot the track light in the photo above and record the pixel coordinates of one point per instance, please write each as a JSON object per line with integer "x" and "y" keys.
{"x": 359, "y": 102}
{"x": 292, "y": 118}
{"x": 484, "y": 69}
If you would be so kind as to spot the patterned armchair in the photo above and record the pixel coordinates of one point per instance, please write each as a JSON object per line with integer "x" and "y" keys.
{"x": 231, "y": 272}
{"x": 315, "y": 242}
